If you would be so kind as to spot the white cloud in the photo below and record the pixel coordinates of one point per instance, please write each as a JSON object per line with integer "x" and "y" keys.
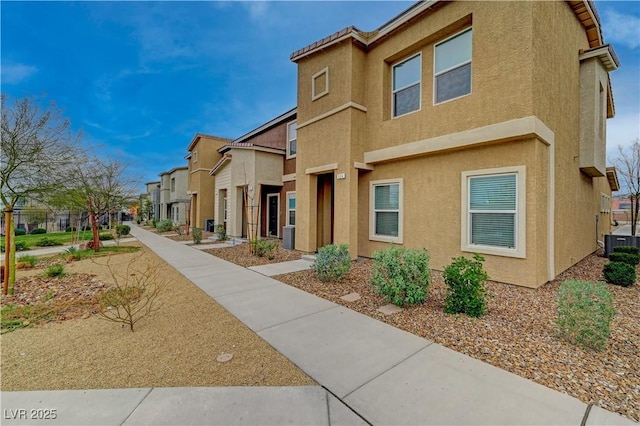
{"x": 257, "y": 9}
{"x": 16, "y": 73}
{"x": 622, "y": 28}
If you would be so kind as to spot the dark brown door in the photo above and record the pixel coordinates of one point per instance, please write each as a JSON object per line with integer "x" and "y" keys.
{"x": 325, "y": 209}
{"x": 272, "y": 216}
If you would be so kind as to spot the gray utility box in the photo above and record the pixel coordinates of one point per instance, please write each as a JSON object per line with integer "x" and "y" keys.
{"x": 612, "y": 240}
{"x": 289, "y": 237}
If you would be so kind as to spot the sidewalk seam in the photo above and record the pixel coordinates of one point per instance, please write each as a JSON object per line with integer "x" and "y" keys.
{"x": 586, "y": 414}
{"x": 136, "y": 407}
{"x": 346, "y": 405}
{"x": 429, "y": 343}
{"x": 292, "y": 319}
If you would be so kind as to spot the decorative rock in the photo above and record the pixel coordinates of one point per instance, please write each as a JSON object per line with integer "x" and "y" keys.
{"x": 224, "y": 357}
{"x": 351, "y": 297}
{"x": 389, "y": 309}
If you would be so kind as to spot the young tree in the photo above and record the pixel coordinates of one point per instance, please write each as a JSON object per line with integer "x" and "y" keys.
{"x": 36, "y": 146}
{"x": 627, "y": 164}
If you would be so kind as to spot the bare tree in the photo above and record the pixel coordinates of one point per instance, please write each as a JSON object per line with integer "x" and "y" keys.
{"x": 627, "y": 164}
{"x": 36, "y": 146}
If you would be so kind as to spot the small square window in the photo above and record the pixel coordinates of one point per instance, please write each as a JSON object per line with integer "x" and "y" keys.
{"x": 320, "y": 84}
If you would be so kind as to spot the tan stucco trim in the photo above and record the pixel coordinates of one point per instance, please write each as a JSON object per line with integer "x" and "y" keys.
{"x": 332, "y": 112}
{"x": 321, "y": 169}
{"x": 201, "y": 169}
{"x": 269, "y": 182}
{"x": 500, "y": 132}
{"x": 289, "y": 178}
{"x": 362, "y": 166}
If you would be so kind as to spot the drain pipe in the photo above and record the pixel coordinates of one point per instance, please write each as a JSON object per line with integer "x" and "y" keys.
{"x": 598, "y": 242}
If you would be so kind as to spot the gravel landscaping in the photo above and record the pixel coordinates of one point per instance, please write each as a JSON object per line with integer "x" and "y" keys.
{"x": 240, "y": 255}
{"x": 518, "y": 332}
{"x": 176, "y": 346}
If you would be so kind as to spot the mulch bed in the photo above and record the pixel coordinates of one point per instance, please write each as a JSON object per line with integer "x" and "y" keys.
{"x": 240, "y": 255}
{"x": 518, "y": 332}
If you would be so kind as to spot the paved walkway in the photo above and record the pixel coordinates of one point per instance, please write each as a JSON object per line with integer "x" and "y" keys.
{"x": 371, "y": 370}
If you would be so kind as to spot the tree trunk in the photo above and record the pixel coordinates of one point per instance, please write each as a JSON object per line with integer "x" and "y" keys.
{"x": 7, "y": 249}
{"x": 94, "y": 227}
{"x": 635, "y": 206}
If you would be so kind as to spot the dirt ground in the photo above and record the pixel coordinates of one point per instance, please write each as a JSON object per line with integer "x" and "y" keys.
{"x": 175, "y": 346}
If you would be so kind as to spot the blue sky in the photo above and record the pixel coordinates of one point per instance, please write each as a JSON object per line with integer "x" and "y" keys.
{"x": 139, "y": 79}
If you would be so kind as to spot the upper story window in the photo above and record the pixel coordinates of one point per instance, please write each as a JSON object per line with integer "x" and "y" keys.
{"x": 320, "y": 84}
{"x": 194, "y": 156}
{"x": 406, "y": 86}
{"x": 173, "y": 184}
{"x": 452, "y": 68}
{"x": 292, "y": 140}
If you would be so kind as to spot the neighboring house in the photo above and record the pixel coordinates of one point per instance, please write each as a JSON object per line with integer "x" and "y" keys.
{"x": 173, "y": 195}
{"x": 255, "y": 180}
{"x": 203, "y": 155}
{"x": 459, "y": 127}
{"x": 153, "y": 194}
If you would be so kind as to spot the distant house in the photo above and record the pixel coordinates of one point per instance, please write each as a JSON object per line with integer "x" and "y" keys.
{"x": 203, "y": 155}
{"x": 152, "y": 194}
{"x": 255, "y": 179}
{"x": 173, "y": 195}
{"x": 458, "y": 127}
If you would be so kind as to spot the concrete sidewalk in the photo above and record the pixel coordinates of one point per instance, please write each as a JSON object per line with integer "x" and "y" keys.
{"x": 385, "y": 375}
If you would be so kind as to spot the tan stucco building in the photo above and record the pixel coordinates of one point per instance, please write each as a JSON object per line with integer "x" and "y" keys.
{"x": 173, "y": 195}
{"x": 203, "y": 155}
{"x": 460, "y": 127}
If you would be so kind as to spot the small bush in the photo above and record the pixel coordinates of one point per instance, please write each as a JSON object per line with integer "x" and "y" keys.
{"x": 619, "y": 273}
{"x": 164, "y": 225}
{"x": 20, "y": 231}
{"x": 122, "y": 230}
{"x": 38, "y": 231}
{"x": 86, "y": 228}
{"x": 221, "y": 232}
{"x": 332, "y": 262}
{"x": 55, "y": 271}
{"x": 196, "y": 234}
{"x": 105, "y": 236}
{"x": 153, "y": 222}
{"x": 402, "y": 276}
{"x": 20, "y": 246}
{"x": 27, "y": 258}
{"x": 264, "y": 248}
{"x": 627, "y": 249}
{"x": 70, "y": 229}
{"x": 466, "y": 281}
{"x": 585, "y": 312}
{"x": 47, "y": 242}
{"x": 631, "y": 259}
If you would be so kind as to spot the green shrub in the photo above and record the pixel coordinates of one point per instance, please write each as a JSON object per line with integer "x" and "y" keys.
{"x": 56, "y": 270}
{"x": 402, "y": 276}
{"x": 164, "y": 225}
{"x": 31, "y": 260}
{"x": 264, "y": 247}
{"x": 47, "y": 242}
{"x": 86, "y": 228}
{"x": 38, "y": 231}
{"x": 619, "y": 273}
{"x": 466, "y": 281}
{"x": 196, "y": 234}
{"x": 221, "y": 232}
{"x": 20, "y": 246}
{"x": 70, "y": 229}
{"x": 153, "y": 222}
{"x": 332, "y": 262}
{"x": 105, "y": 236}
{"x": 627, "y": 249}
{"x": 585, "y": 312}
{"x": 20, "y": 231}
{"x": 122, "y": 230}
{"x": 631, "y": 259}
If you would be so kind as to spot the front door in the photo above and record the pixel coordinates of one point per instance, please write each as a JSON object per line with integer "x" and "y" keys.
{"x": 325, "y": 209}
{"x": 273, "y": 213}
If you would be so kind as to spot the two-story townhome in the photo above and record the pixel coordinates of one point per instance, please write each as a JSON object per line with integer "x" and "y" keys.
{"x": 203, "y": 155}
{"x": 459, "y": 127}
{"x": 153, "y": 195}
{"x": 173, "y": 195}
{"x": 255, "y": 180}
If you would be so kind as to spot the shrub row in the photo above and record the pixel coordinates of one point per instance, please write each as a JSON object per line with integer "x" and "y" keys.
{"x": 164, "y": 225}
{"x": 621, "y": 270}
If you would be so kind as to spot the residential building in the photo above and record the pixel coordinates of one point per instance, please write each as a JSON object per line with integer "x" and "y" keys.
{"x": 153, "y": 195}
{"x": 173, "y": 195}
{"x": 460, "y": 127}
{"x": 203, "y": 155}
{"x": 255, "y": 180}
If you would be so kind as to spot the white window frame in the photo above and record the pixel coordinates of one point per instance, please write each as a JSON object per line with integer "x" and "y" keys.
{"x": 520, "y": 214}
{"x": 605, "y": 203}
{"x": 290, "y": 194}
{"x": 372, "y": 211}
{"x": 289, "y": 140}
{"x": 225, "y": 209}
{"x": 315, "y": 95}
{"x": 419, "y": 83}
{"x": 435, "y": 75}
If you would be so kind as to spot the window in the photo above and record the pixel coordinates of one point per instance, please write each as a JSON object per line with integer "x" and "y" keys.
{"x": 194, "y": 156}
{"x": 406, "y": 86}
{"x": 292, "y": 140}
{"x": 225, "y": 207}
{"x": 386, "y": 211}
{"x": 453, "y": 67}
{"x": 320, "y": 84}
{"x": 605, "y": 203}
{"x": 291, "y": 208}
{"x": 173, "y": 184}
{"x": 493, "y": 211}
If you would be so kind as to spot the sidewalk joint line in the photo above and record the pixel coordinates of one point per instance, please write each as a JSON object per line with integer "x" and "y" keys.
{"x": 297, "y": 318}
{"x": 354, "y": 411}
{"x": 138, "y": 405}
{"x": 586, "y": 414}
{"x": 390, "y": 368}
